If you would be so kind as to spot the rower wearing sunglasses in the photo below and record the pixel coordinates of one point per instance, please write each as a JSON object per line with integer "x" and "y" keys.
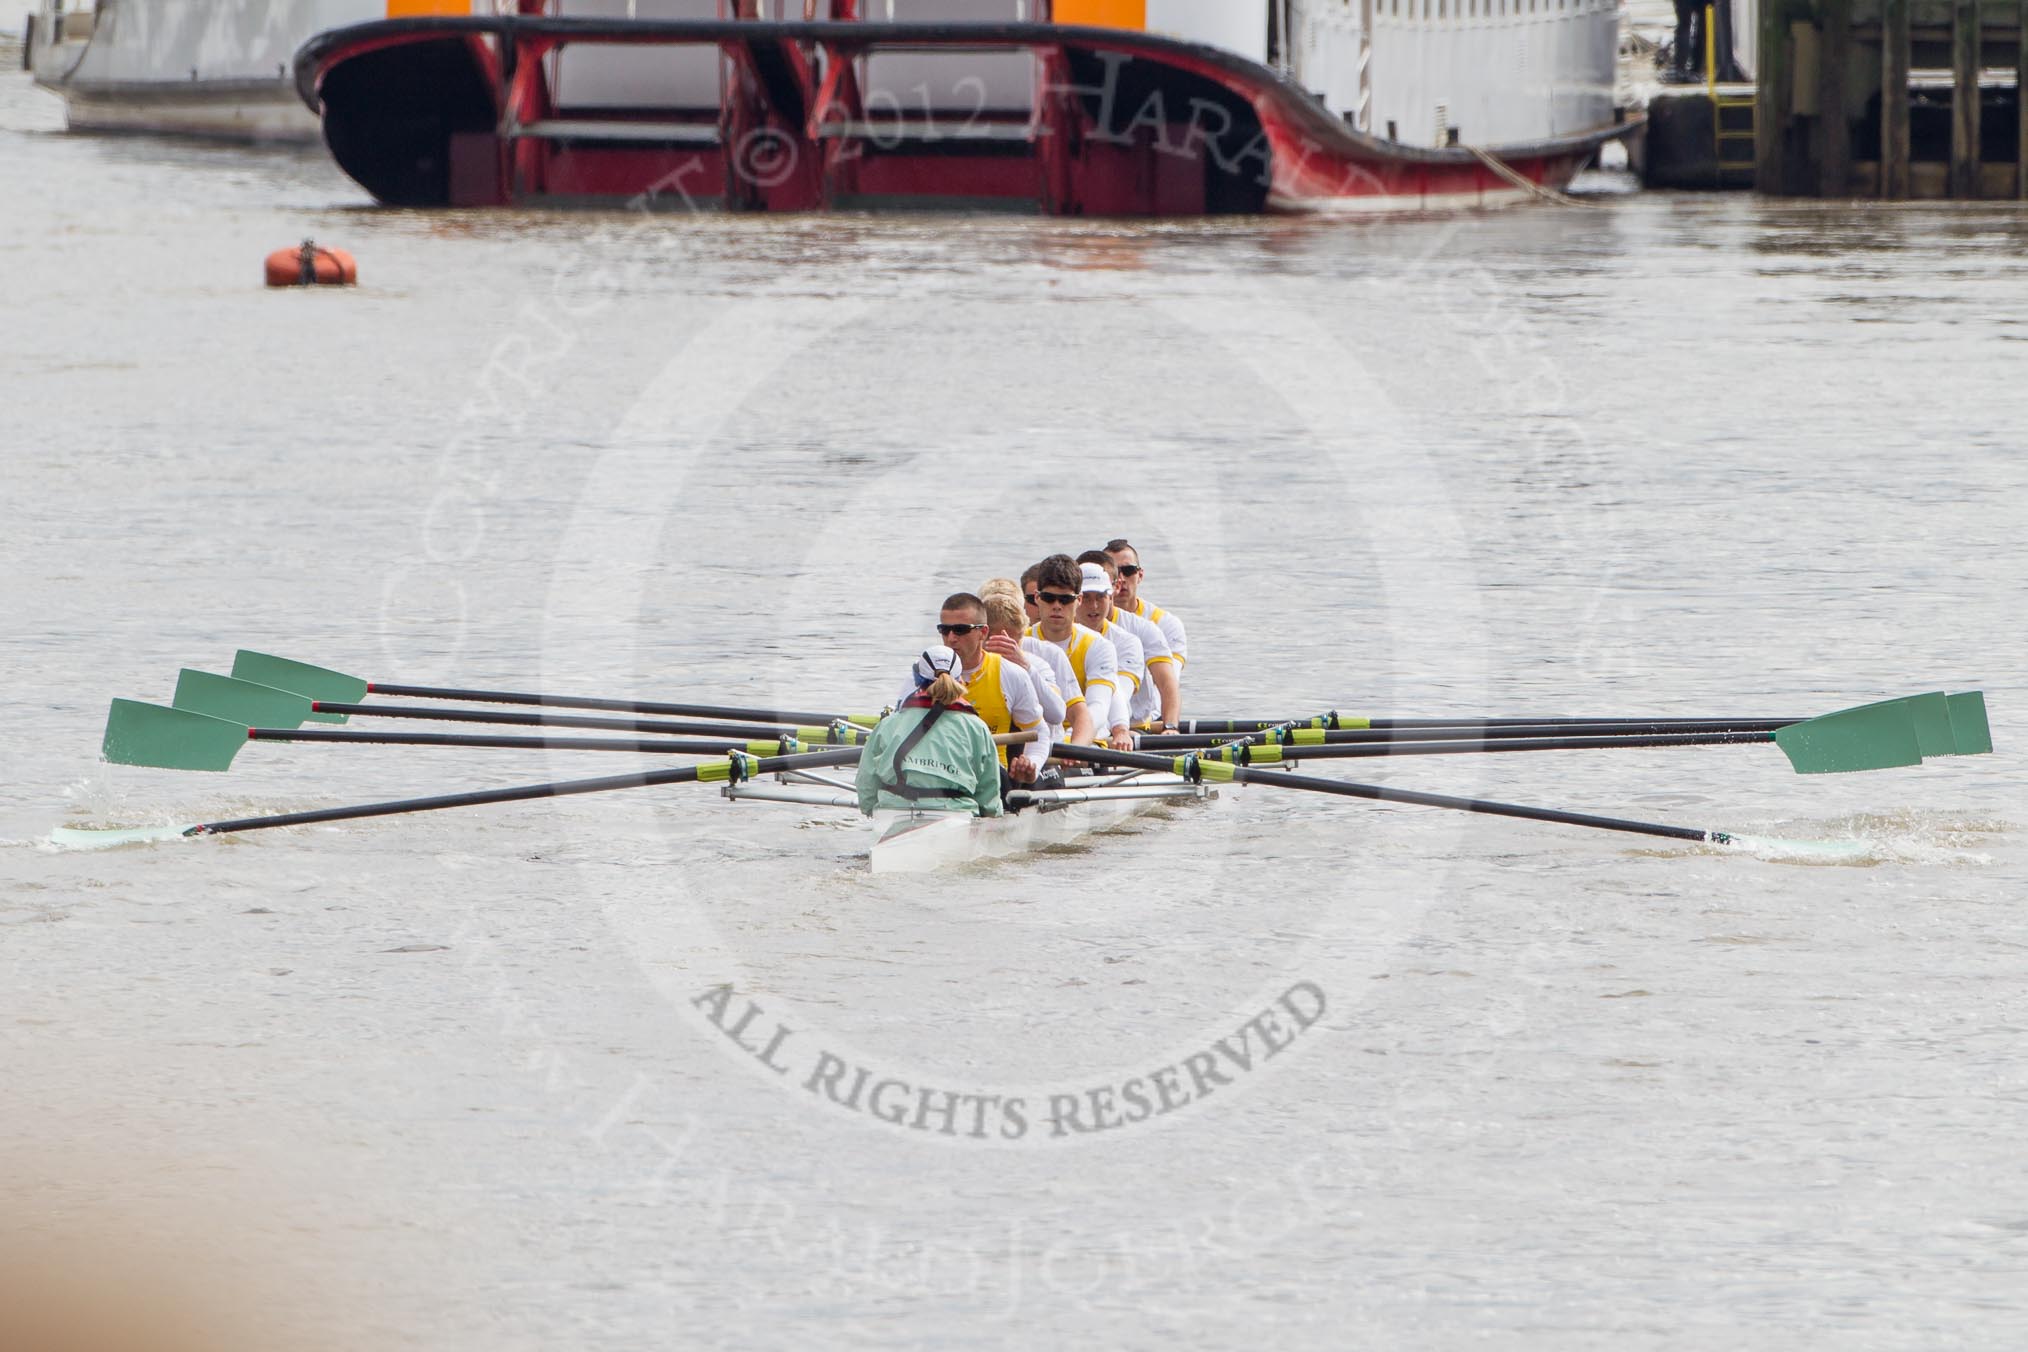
{"x": 1086, "y": 722}
{"x": 1157, "y": 701}
{"x": 1093, "y": 659}
{"x": 1094, "y": 612}
{"x": 1127, "y": 595}
{"x": 999, "y": 690}
{"x": 1063, "y": 704}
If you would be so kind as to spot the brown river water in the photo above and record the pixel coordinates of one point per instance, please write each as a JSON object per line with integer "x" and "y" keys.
{"x": 463, "y": 1080}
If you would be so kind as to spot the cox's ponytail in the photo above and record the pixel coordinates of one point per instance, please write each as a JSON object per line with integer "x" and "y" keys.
{"x": 945, "y": 689}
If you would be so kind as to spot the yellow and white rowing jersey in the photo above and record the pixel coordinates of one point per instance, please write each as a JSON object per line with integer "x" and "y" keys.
{"x": 1002, "y": 694}
{"x": 1134, "y": 689}
{"x": 1154, "y": 643}
{"x": 1171, "y": 627}
{"x": 1050, "y": 670}
{"x": 1094, "y": 663}
{"x": 1147, "y": 701}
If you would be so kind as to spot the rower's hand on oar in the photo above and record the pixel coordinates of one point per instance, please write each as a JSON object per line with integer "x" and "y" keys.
{"x": 1023, "y": 770}
{"x": 1121, "y": 740}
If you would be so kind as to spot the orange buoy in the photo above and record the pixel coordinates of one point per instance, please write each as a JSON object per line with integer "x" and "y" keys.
{"x": 309, "y": 265}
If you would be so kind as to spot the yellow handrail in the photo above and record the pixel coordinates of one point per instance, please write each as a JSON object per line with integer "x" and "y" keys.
{"x": 1711, "y": 55}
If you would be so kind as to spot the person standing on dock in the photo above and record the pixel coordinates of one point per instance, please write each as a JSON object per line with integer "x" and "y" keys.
{"x": 1688, "y": 51}
{"x": 921, "y": 758}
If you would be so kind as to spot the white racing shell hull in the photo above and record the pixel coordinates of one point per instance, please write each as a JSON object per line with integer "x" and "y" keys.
{"x": 922, "y": 842}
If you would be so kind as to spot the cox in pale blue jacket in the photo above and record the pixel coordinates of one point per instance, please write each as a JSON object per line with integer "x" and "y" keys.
{"x": 948, "y": 762}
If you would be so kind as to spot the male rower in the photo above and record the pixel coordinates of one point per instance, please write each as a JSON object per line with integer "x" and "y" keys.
{"x": 1128, "y": 597}
{"x": 1063, "y": 705}
{"x": 1094, "y": 612}
{"x": 999, "y": 691}
{"x": 1094, "y": 661}
{"x": 1158, "y": 700}
{"x": 1029, "y": 577}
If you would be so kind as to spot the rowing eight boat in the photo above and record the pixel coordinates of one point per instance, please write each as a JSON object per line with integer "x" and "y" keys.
{"x": 1886, "y": 734}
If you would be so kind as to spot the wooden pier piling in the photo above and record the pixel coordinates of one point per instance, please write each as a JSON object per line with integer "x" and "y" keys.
{"x": 1894, "y": 101}
{"x": 1834, "y": 136}
{"x": 2021, "y": 100}
{"x": 1852, "y": 96}
{"x": 1964, "y": 98}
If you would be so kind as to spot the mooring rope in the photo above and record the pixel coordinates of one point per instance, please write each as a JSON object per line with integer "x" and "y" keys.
{"x": 1528, "y": 185}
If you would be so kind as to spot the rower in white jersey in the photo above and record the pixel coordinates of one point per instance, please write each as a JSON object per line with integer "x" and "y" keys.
{"x": 998, "y": 690}
{"x": 1094, "y": 612}
{"x": 1127, "y": 595}
{"x": 1157, "y": 704}
{"x": 1085, "y": 723}
{"x": 1006, "y": 626}
{"x": 1094, "y": 662}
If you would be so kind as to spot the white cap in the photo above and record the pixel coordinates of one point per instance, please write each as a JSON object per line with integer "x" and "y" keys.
{"x": 1095, "y": 579}
{"x": 934, "y": 662}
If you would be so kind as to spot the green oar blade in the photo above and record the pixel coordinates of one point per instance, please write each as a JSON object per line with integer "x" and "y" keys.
{"x": 1931, "y": 714}
{"x": 1933, "y": 724}
{"x": 1969, "y": 728}
{"x": 1871, "y": 737}
{"x": 243, "y": 702}
{"x": 333, "y": 687}
{"x": 170, "y": 739}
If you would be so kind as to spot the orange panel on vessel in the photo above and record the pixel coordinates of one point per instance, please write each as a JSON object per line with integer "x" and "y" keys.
{"x": 412, "y": 9}
{"x": 1103, "y": 13}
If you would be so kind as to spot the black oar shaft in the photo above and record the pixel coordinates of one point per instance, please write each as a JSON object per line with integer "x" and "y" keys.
{"x": 519, "y": 720}
{"x": 1385, "y": 794}
{"x": 624, "y": 706}
{"x": 560, "y": 789}
{"x": 1382, "y": 793}
{"x": 1660, "y": 724}
{"x": 1466, "y": 732}
{"x": 1419, "y": 747}
{"x": 1226, "y": 727}
{"x": 667, "y": 746}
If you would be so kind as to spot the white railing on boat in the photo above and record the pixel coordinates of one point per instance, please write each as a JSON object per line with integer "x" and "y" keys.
{"x": 762, "y": 793}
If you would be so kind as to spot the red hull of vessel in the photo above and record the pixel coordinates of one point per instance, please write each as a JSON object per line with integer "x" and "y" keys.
{"x": 460, "y": 112}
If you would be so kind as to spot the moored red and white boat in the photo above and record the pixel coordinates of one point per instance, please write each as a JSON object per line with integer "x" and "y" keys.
{"x": 192, "y": 67}
{"x": 1071, "y": 107}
